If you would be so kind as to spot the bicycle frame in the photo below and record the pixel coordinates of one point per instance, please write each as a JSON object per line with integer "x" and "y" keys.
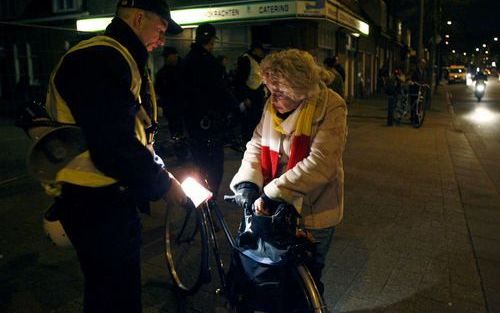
{"x": 208, "y": 222}
{"x": 411, "y": 105}
{"x": 201, "y": 199}
{"x": 207, "y": 226}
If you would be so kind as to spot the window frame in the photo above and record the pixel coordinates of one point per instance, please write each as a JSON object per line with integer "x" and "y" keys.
{"x": 63, "y": 6}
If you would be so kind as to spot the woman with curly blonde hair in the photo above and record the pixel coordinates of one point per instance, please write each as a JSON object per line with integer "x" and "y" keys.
{"x": 295, "y": 154}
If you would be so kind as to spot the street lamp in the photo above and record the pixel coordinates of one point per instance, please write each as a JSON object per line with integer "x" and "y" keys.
{"x": 449, "y": 23}
{"x": 484, "y": 45}
{"x": 453, "y": 51}
{"x": 447, "y": 36}
{"x": 477, "y": 49}
{"x": 465, "y": 53}
{"x": 496, "y": 38}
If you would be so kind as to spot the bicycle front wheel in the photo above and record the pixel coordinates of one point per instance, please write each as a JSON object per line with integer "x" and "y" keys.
{"x": 419, "y": 112}
{"x": 186, "y": 248}
{"x": 312, "y": 300}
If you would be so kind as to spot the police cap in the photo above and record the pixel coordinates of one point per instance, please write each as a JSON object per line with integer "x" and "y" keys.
{"x": 205, "y": 31}
{"x": 159, "y": 7}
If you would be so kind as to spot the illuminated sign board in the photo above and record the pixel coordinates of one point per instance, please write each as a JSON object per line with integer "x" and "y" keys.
{"x": 214, "y": 14}
{"x": 349, "y": 20}
{"x": 239, "y": 12}
{"x": 311, "y": 8}
{"x": 251, "y": 11}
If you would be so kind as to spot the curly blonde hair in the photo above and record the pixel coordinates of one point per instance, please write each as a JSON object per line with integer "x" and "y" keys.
{"x": 295, "y": 73}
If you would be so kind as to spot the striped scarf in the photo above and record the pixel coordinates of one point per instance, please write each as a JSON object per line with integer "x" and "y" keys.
{"x": 299, "y": 124}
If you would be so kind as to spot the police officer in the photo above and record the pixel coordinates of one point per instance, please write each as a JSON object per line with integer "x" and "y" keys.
{"x": 169, "y": 91}
{"x": 208, "y": 102}
{"x": 103, "y": 86}
{"x": 249, "y": 88}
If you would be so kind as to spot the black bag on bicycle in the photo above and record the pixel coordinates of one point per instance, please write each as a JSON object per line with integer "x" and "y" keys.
{"x": 260, "y": 275}
{"x": 278, "y": 229}
{"x": 268, "y": 287}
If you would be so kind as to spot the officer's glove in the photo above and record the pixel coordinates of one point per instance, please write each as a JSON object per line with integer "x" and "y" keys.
{"x": 245, "y": 195}
{"x": 175, "y": 196}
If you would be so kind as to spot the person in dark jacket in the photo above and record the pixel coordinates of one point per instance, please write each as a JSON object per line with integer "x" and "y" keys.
{"x": 168, "y": 88}
{"x": 338, "y": 67}
{"x": 208, "y": 101}
{"x": 249, "y": 89}
{"x": 337, "y": 84}
{"x": 103, "y": 86}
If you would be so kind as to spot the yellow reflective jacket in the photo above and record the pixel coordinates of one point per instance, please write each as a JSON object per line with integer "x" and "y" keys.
{"x": 254, "y": 80}
{"x": 81, "y": 170}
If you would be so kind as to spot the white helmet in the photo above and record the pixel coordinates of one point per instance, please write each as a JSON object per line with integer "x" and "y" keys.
{"x": 54, "y": 229}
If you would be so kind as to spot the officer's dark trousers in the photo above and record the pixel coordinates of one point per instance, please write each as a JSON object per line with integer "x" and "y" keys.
{"x": 104, "y": 227}
{"x": 209, "y": 157}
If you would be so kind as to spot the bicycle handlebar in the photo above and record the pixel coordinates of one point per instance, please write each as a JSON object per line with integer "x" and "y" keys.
{"x": 411, "y": 82}
{"x": 230, "y": 198}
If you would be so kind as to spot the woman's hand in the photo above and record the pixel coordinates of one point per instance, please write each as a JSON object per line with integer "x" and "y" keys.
{"x": 259, "y": 207}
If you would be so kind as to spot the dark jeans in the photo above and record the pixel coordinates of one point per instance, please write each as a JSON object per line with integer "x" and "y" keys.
{"x": 391, "y": 105}
{"x": 104, "y": 227}
{"x": 323, "y": 237}
{"x": 174, "y": 116}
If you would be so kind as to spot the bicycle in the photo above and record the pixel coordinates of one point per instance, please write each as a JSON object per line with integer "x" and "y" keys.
{"x": 411, "y": 104}
{"x": 188, "y": 233}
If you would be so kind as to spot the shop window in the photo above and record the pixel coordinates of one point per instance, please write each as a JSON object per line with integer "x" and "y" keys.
{"x": 62, "y": 6}
{"x": 26, "y": 64}
{"x": 7, "y": 8}
{"x": 262, "y": 33}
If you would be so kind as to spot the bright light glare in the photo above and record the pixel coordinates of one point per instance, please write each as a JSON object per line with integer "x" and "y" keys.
{"x": 480, "y": 87}
{"x": 482, "y": 115}
{"x": 449, "y": 22}
{"x": 93, "y": 24}
{"x": 364, "y": 27}
{"x": 468, "y": 79}
{"x": 195, "y": 191}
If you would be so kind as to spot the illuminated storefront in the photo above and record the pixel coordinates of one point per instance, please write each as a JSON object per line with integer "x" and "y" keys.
{"x": 324, "y": 28}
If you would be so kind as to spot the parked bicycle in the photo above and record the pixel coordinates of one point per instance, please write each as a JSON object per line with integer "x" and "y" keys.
{"x": 410, "y": 103}
{"x": 189, "y": 231}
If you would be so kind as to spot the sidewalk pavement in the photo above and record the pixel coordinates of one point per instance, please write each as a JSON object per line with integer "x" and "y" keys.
{"x": 405, "y": 244}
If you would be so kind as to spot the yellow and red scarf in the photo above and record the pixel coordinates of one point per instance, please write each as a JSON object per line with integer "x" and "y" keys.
{"x": 299, "y": 124}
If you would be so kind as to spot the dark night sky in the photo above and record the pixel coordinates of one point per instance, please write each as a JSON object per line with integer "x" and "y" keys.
{"x": 475, "y": 22}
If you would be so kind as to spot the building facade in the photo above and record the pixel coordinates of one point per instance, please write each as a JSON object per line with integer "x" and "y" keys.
{"x": 34, "y": 34}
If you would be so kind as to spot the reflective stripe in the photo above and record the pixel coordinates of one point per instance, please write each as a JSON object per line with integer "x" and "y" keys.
{"x": 81, "y": 170}
{"x": 254, "y": 79}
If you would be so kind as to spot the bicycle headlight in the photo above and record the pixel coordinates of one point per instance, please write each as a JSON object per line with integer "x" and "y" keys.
{"x": 195, "y": 191}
